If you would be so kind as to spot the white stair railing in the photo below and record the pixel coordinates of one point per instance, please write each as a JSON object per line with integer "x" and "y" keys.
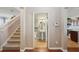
{"x": 8, "y": 29}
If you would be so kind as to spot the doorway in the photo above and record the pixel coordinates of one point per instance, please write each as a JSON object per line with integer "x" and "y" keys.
{"x": 72, "y": 34}
{"x": 40, "y": 30}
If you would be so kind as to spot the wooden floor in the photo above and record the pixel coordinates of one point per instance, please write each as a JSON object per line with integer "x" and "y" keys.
{"x": 73, "y": 46}
{"x": 41, "y": 46}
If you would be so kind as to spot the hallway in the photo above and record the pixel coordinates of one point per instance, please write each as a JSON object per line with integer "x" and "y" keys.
{"x": 36, "y": 30}
{"x": 41, "y": 46}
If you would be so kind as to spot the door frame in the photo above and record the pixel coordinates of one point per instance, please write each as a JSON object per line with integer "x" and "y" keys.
{"x": 33, "y": 28}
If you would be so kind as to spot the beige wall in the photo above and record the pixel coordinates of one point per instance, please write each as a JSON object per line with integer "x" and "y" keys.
{"x": 54, "y": 33}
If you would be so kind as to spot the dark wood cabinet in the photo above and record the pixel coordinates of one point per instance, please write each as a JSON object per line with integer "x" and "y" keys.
{"x": 74, "y": 36}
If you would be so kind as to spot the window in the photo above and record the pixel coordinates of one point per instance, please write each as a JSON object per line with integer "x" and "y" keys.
{"x": 2, "y": 20}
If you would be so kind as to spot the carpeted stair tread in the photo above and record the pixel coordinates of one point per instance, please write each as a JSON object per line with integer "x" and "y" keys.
{"x": 17, "y": 33}
{"x": 15, "y": 36}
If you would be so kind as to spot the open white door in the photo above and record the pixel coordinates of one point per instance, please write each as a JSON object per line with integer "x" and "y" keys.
{"x": 40, "y": 27}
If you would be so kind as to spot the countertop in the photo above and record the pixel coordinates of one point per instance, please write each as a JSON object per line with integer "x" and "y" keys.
{"x": 73, "y": 28}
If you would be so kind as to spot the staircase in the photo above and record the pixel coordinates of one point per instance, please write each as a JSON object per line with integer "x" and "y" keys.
{"x": 13, "y": 44}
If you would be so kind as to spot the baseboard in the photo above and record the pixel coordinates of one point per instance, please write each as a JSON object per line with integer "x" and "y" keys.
{"x": 64, "y": 50}
{"x": 55, "y": 48}
{"x": 29, "y": 48}
{"x": 9, "y": 38}
{"x": 22, "y": 50}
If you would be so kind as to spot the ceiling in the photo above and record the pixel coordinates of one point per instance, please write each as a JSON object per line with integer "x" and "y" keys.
{"x": 8, "y": 11}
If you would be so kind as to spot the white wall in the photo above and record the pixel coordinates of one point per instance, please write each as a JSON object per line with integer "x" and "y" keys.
{"x": 64, "y": 16}
{"x": 73, "y": 11}
{"x": 54, "y": 33}
{"x": 22, "y": 24}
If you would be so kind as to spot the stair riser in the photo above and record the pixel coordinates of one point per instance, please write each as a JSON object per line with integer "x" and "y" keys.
{"x": 19, "y": 27}
{"x": 15, "y": 37}
{"x": 17, "y": 34}
{"x": 18, "y": 31}
{"x": 13, "y": 41}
